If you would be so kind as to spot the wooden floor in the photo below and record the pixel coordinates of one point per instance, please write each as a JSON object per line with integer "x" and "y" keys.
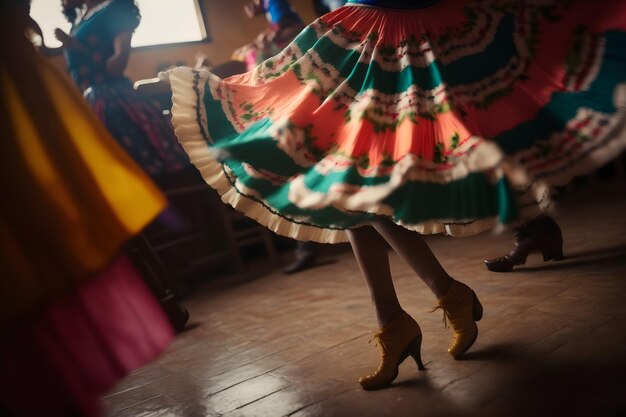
{"x": 552, "y": 341}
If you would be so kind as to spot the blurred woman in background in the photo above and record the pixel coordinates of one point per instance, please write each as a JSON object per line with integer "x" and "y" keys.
{"x": 97, "y": 50}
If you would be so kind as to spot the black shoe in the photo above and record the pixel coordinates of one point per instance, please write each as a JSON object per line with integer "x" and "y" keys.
{"x": 539, "y": 235}
{"x": 303, "y": 261}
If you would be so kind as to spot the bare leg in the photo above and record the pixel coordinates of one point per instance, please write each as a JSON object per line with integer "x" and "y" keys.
{"x": 458, "y": 301}
{"x": 399, "y": 335}
{"x": 371, "y": 254}
{"x": 415, "y": 252}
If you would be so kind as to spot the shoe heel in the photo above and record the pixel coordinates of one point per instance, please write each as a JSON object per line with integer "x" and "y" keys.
{"x": 548, "y": 254}
{"x": 558, "y": 254}
{"x": 415, "y": 350}
{"x": 477, "y": 308}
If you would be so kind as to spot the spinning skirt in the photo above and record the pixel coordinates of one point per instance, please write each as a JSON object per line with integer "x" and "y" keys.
{"x": 75, "y": 316}
{"x": 59, "y": 361}
{"x": 452, "y": 118}
{"x": 71, "y": 196}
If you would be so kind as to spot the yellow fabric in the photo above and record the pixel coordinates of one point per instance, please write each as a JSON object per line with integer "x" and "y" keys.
{"x": 71, "y": 197}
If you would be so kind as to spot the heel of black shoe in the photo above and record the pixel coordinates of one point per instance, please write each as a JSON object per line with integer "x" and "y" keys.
{"x": 415, "y": 350}
{"x": 552, "y": 253}
{"x": 558, "y": 256}
{"x": 552, "y": 240}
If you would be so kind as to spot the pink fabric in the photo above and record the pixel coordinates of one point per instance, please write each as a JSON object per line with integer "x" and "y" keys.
{"x": 77, "y": 349}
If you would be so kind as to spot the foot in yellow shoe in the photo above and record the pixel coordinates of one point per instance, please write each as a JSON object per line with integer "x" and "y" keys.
{"x": 397, "y": 340}
{"x": 462, "y": 310}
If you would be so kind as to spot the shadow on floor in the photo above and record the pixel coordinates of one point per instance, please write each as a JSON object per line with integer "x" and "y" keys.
{"x": 610, "y": 256}
{"x": 542, "y": 385}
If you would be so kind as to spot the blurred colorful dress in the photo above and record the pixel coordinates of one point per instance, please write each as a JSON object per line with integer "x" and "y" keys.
{"x": 284, "y": 25}
{"x": 75, "y": 316}
{"x": 137, "y": 124}
{"x": 448, "y": 116}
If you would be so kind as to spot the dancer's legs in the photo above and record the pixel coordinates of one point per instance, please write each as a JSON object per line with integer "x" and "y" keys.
{"x": 415, "y": 252}
{"x": 371, "y": 254}
{"x": 458, "y": 301}
{"x": 399, "y": 335}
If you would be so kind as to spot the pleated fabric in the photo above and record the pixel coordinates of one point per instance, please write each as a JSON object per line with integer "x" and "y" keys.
{"x": 454, "y": 117}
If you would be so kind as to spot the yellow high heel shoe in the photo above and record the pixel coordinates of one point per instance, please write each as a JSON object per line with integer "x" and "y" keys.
{"x": 397, "y": 340}
{"x": 462, "y": 310}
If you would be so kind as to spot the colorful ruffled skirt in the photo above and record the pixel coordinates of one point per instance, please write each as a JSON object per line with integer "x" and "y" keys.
{"x": 138, "y": 125}
{"x": 452, "y": 118}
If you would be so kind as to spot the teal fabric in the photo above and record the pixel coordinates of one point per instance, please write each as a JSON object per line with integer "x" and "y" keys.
{"x": 363, "y": 76}
{"x": 97, "y": 33}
